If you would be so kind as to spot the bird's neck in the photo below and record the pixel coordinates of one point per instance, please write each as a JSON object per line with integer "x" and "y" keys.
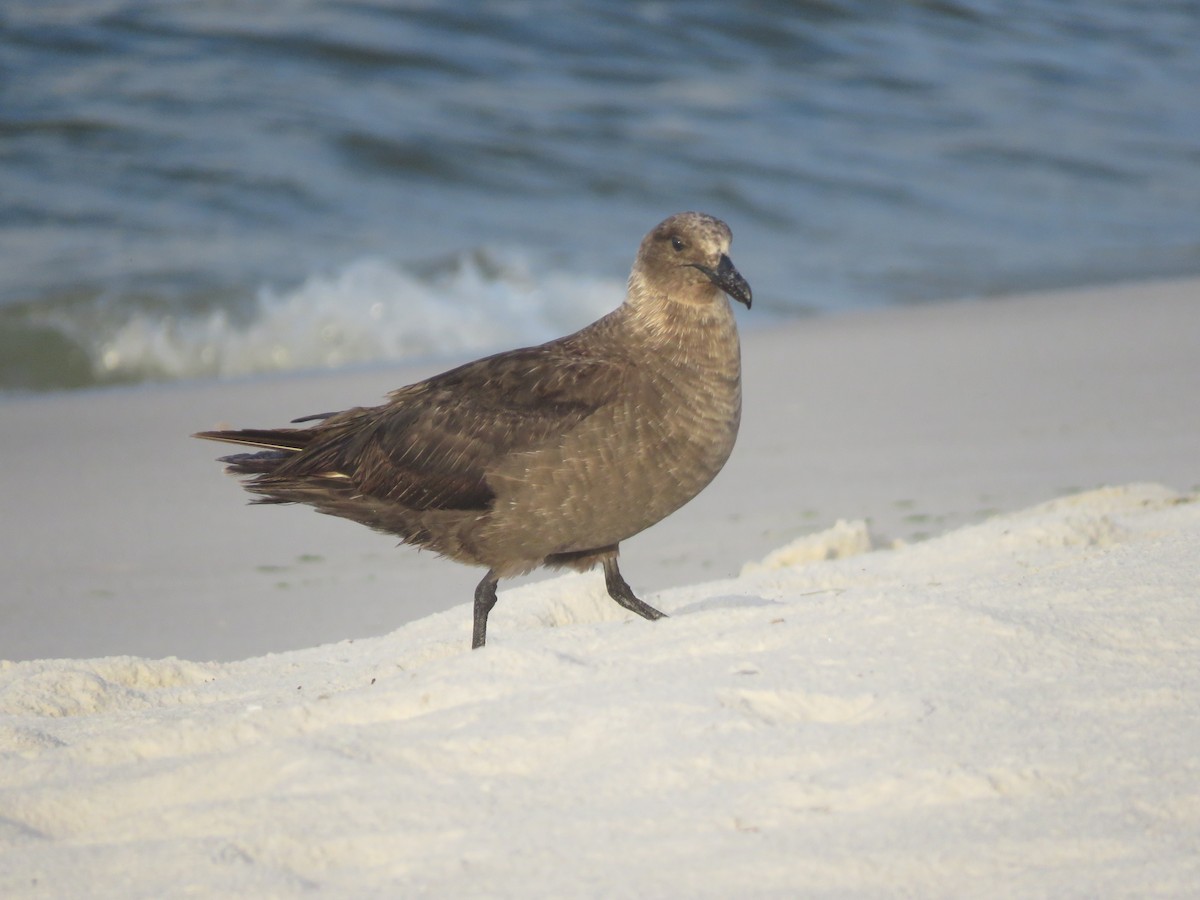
{"x": 681, "y": 321}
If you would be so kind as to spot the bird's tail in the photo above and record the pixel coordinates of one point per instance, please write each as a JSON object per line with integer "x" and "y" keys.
{"x": 279, "y": 444}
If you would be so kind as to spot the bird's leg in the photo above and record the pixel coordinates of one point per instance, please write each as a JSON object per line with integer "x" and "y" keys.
{"x": 622, "y": 592}
{"x": 485, "y": 599}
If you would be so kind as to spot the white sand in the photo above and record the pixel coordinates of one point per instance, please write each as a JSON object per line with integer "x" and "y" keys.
{"x": 1012, "y": 709}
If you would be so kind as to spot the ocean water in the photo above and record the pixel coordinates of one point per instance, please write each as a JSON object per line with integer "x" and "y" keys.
{"x": 212, "y": 188}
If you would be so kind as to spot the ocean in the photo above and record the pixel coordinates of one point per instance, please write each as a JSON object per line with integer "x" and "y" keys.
{"x": 216, "y": 188}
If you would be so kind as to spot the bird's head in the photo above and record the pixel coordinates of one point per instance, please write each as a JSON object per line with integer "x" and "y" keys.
{"x": 686, "y": 258}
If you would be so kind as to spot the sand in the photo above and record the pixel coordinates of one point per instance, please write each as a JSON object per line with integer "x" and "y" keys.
{"x": 972, "y": 668}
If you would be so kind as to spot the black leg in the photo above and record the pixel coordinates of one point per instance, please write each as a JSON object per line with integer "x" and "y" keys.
{"x": 623, "y": 593}
{"x": 485, "y": 599}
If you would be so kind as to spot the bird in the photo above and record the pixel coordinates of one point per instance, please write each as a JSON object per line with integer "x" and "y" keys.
{"x": 543, "y": 456}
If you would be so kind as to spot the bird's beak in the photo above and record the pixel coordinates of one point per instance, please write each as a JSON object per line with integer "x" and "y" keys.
{"x": 728, "y": 279}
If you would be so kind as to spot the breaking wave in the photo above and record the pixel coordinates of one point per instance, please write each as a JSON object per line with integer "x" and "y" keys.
{"x": 371, "y": 310}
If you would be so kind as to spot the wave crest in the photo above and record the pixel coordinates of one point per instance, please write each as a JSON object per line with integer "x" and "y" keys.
{"x": 371, "y": 310}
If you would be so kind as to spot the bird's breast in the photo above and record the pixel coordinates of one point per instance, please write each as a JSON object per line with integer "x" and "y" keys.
{"x": 658, "y": 443}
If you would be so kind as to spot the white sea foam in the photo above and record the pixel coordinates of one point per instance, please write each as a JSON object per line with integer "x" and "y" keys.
{"x": 371, "y": 310}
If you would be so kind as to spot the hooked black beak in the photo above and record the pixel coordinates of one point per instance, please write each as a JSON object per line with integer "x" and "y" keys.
{"x": 728, "y": 279}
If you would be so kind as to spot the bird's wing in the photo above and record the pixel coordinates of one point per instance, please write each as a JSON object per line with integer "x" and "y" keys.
{"x": 432, "y": 445}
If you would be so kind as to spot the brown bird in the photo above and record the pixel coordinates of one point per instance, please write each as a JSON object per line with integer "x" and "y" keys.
{"x": 544, "y": 456}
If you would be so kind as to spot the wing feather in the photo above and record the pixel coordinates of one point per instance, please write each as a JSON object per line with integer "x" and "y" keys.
{"x": 433, "y": 443}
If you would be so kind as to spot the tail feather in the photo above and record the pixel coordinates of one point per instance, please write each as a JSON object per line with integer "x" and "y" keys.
{"x": 289, "y": 439}
{"x": 281, "y": 444}
{"x": 264, "y": 463}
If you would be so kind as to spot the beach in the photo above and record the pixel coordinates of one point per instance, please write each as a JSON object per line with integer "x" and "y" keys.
{"x": 933, "y": 631}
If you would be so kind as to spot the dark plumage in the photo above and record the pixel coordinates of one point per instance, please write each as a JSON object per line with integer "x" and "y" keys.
{"x": 547, "y": 455}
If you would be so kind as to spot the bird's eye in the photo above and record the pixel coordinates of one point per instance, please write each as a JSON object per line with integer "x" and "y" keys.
{"x": 677, "y": 243}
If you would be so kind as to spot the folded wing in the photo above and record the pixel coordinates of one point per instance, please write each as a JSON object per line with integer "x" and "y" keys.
{"x": 431, "y": 446}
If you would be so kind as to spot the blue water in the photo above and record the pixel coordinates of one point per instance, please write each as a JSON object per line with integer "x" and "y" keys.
{"x": 206, "y": 188}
